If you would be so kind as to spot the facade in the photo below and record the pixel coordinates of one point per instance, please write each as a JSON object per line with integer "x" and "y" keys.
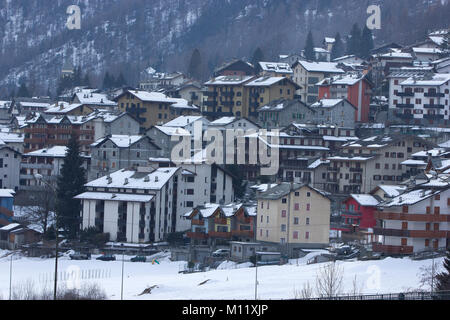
{"x": 276, "y": 69}
{"x": 10, "y": 160}
{"x": 416, "y": 220}
{"x": 293, "y": 216}
{"x": 115, "y": 152}
{"x": 46, "y": 162}
{"x": 339, "y": 112}
{"x": 358, "y": 211}
{"x": 281, "y": 113}
{"x": 354, "y": 87}
{"x": 166, "y": 138}
{"x": 136, "y": 206}
{"x": 6, "y": 206}
{"x": 362, "y": 165}
{"x": 308, "y": 74}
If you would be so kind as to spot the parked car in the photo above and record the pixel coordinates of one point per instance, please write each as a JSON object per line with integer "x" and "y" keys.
{"x": 107, "y": 257}
{"x": 221, "y": 253}
{"x": 139, "y": 259}
{"x": 80, "y": 256}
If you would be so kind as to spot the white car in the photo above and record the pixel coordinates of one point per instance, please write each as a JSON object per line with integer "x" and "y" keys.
{"x": 221, "y": 253}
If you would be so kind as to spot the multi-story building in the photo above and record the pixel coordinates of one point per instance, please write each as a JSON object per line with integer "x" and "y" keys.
{"x": 339, "y": 112}
{"x": 417, "y": 219}
{"x": 136, "y": 206}
{"x": 9, "y": 167}
{"x": 93, "y": 100}
{"x": 47, "y": 163}
{"x": 293, "y": 216}
{"x": 6, "y": 206}
{"x": 424, "y": 99}
{"x": 276, "y": 69}
{"x": 281, "y": 113}
{"x": 354, "y": 87}
{"x": 213, "y": 223}
{"x": 362, "y": 165}
{"x": 308, "y": 74}
{"x": 115, "y": 152}
{"x": 65, "y": 108}
{"x": 383, "y": 63}
{"x": 235, "y": 67}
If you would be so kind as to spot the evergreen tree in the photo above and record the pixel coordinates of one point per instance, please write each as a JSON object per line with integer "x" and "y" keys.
{"x": 366, "y": 43}
{"x": 195, "y": 65}
{"x": 120, "y": 81}
{"x": 23, "y": 91}
{"x": 77, "y": 81}
{"x": 108, "y": 81}
{"x": 258, "y": 56}
{"x": 443, "y": 279}
{"x": 86, "y": 81}
{"x": 70, "y": 184}
{"x": 309, "y": 47}
{"x": 354, "y": 41}
{"x": 338, "y": 47}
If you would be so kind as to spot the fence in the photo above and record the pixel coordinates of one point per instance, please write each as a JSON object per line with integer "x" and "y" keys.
{"x": 442, "y": 295}
{"x": 75, "y": 275}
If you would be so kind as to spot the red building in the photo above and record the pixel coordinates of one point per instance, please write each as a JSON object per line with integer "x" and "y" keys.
{"x": 359, "y": 211}
{"x": 354, "y": 87}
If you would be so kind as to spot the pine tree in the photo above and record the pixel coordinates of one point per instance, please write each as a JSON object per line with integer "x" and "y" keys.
{"x": 23, "y": 91}
{"x": 258, "y": 56}
{"x": 86, "y": 81}
{"x": 338, "y": 47}
{"x": 107, "y": 81}
{"x": 120, "y": 81}
{"x": 70, "y": 184}
{"x": 309, "y": 47}
{"x": 354, "y": 41}
{"x": 195, "y": 65}
{"x": 366, "y": 43}
{"x": 443, "y": 279}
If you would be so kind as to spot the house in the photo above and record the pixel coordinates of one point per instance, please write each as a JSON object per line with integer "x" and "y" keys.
{"x": 275, "y": 69}
{"x": 349, "y": 59}
{"x": 166, "y": 138}
{"x": 153, "y": 108}
{"x": 25, "y": 106}
{"x": 244, "y": 251}
{"x": 307, "y": 74}
{"x": 294, "y": 216}
{"x": 417, "y": 219}
{"x": 46, "y": 162}
{"x": 115, "y": 152}
{"x": 264, "y": 90}
{"x": 156, "y": 80}
{"x": 362, "y": 165}
{"x": 15, "y": 235}
{"x": 235, "y": 67}
{"x": 322, "y": 54}
{"x": 6, "y": 206}
{"x": 94, "y": 100}
{"x": 328, "y": 43}
{"x": 10, "y": 160}
{"x": 190, "y": 91}
{"x": 383, "y": 63}
{"x": 424, "y": 99}
{"x": 281, "y": 113}
{"x": 426, "y": 54}
{"x": 133, "y": 205}
{"x": 441, "y": 65}
{"x": 215, "y": 224}
{"x": 339, "y": 112}
{"x": 5, "y": 112}
{"x": 352, "y": 86}
{"x": 65, "y": 108}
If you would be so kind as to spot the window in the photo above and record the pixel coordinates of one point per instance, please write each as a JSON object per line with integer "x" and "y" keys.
{"x": 283, "y": 228}
{"x": 437, "y": 210}
{"x": 307, "y": 235}
{"x": 297, "y": 207}
{"x": 295, "y": 235}
{"x": 283, "y": 213}
{"x": 284, "y": 200}
{"x": 405, "y": 209}
{"x": 308, "y": 207}
{"x": 308, "y": 194}
{"x": 296, "y": 220}
{"x": 307, "y": 221}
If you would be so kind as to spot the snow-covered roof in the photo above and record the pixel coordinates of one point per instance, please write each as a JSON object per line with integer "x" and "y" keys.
{"x": 115, "y": 197}
{"x": 56, "y": 152}
{"x": 97, "y": 99}
{"x": 277, "y": 67}
{"x": 183, "y": 121}
{"x": 35, "y": 104}
{"x": 392, "y": 190}
{"x": 330, "y": 40}
{"x": 206, "y": 211}
{"x": 262, "y": 187}
{"x": 433, "y": 152}
{"x": 427, "y": 50}
{"x": 436, "y": 79}
{"x": 409, "y": 198}
{"x": 121, "y": 141}
{"x": 173, "y": 131}
{"x": 5, "y": 104}
{"x": 132, "y": 179}
{"x": 318, "y": 163}
{"x": 348, "y": 79}
{"x": 9, "y": 137}
{"x": 63, "y": 108}
{"x": 326, "y": 103}
{"x": 264, "y": 81}
{"x": 10, "y": 227}
{"x": 7, "y": 193}
{"x": 152, "y": 96}
{"x": 411, "y": 162}
{"x": 365, "y": 200}
{"x": 327, "y": 67}
{"x": 183, "y": 104}
{"x": 228, "y": 80}
{"x": 223, "y": 121}
{"x": 398, "y": 55}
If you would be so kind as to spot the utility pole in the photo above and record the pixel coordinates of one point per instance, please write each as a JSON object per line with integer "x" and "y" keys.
{"x": 123, "y": 262}
{"x": 10, "y": 277}
{"x": 256, "y": 276}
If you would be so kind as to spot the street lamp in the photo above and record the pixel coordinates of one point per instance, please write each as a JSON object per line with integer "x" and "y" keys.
{"x": 40, "y": 178}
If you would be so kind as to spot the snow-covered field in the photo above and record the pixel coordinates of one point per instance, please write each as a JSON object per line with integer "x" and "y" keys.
{"x": 230, "y": 282}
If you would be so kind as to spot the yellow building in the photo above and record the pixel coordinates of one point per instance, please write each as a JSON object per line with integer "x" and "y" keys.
{"x": 153, "y": 108}
{"x": 293, "y": 216}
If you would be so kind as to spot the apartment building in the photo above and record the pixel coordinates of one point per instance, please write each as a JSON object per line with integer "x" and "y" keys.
{"x": 281, "y": 113}
{"x": 10, "y": 160}
{"x": 47, "y": 163}
{"x": 276, "y": 69}
{"x": 424, "y": 99}
{"x": 115, "y": 152}
{"x": 339, "y": 112}
{"x": 354, "y": 87}
{"x": 308, "y": 74}
{"x": 362, "y": 165}
{"x": 96, "y": 101}
{"x": 136, "y": 206}
{"x": 293, "y": 216}
{"x": 417, "y": 219}
{"x": 214, "y": 224}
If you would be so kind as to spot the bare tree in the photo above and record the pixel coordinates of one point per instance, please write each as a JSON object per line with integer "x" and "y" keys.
{"x": 40, "y": 211}
{"x": 329, "y": 280}
{"x": 427, "y": 276}
{"x": 357, "y": 287}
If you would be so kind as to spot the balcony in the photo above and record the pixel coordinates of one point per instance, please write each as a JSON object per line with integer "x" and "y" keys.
{"x": 411, "y": 217}
{"x": 211, "y": 103}
{"x": 221, "y": 235}
{"x": 392, "y": 232}
{"x": 210, "y": 94}
{"x": 433, "y": 116}
{"x": 434, "y": 95}
{"x": 198, "y": 222}
{"x": 221, "y": 221}
{"x": 356, "y": 170}
{"x": 433, "y": 106}
{"x": 351, "y": 214}
{"x": 243, "y": 233}
{"x": 429, "y": 234}
{"x": 392, "y": 249}
{"x": 228, "y": 94}
{"x": 197, "y": 235}
{"x": 405, "y": 94}
{"x": 405, "y": 105}
{"x": 333, "y": 169}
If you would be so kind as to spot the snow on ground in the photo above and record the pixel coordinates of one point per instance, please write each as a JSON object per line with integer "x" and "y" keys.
{"x": 234, "y": 281}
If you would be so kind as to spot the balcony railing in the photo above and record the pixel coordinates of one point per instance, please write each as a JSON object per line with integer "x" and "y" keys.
{"x": 405, "y": 94}
{"x": 222, "y": 235}
{"x": 405, "y": 105}
{"x": 392, "y": 249}
{"x": 243, "y": 233}
{"x": 434, "y": 95}
{"x": 411, "y": 217}
{"x": 198, "y": 222}
{"x": 197, "y": 235}
{"x": 433, "y": 116}
{"x": 220, "y": 221}
{"x": 356, "y": 170}
{"x": 392, "y": 232}
{"x": 433, "y": 106}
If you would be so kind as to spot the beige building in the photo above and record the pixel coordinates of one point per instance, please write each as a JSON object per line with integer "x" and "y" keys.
{"x": 293, "y": 216}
